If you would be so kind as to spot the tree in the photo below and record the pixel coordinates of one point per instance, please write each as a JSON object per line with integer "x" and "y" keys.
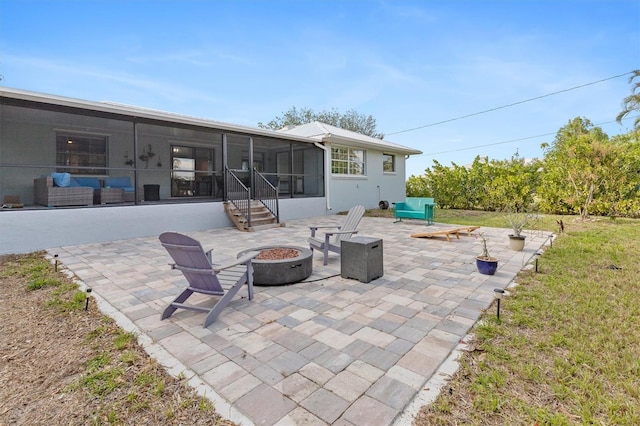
{"x": 510, "y": 184}
{"x": 620, "y": 191}
{"x": 485, "y": 184}
{"x": 450, "y": 186}
{"x": 350, "y": 120}
{"x": 577, "y": 163}
{"x": 632, "y": 102}
{"x": 479, "y": 179}
{"x": 418, "y": 186}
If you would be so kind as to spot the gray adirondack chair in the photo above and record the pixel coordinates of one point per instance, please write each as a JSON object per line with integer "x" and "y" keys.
{"x": 332, "y": 240}
{"x": 203, "y": 277}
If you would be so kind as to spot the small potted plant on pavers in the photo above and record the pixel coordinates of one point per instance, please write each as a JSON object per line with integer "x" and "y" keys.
{"x": 517, "y": 221}
{"x": 486, "y": 263}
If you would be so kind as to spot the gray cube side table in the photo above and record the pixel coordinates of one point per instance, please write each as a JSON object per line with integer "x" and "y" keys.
{"x": 361, "y": 259}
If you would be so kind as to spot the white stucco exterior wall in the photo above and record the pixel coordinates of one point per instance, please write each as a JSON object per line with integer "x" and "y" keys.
{"x": 345, "y": 191}
{"x": 369, "y": 190}
{"x": 24, "y": 231}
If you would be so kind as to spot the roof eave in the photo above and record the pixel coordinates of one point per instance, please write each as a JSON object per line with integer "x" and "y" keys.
{"x": 330, "y": 138}
{"x": 135, "y": 112}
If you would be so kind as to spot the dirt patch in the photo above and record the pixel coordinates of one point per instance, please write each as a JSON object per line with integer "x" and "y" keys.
{"x": 62, "y": 364}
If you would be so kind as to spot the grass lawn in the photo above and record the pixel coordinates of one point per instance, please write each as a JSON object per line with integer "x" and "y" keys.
{"x": 481, "y": 218}
{"x": 567, "y": 347}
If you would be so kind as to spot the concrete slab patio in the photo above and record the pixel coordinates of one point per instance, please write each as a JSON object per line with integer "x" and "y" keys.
{"x": 325, "y": 351}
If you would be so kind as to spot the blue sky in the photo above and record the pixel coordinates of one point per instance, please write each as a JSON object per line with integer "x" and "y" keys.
{"x": 407, "y": 63}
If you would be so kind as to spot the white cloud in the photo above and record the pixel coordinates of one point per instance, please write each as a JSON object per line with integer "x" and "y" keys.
{"x": 70, "y": 71}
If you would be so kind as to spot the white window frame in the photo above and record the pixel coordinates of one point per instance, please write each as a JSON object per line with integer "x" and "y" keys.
{"x": 385, "y": 162}
{"x": 348, "y": 161}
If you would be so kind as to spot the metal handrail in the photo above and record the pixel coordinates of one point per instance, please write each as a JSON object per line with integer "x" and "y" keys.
{"x": 238, "y": 194}
{"x": 266, "y": 191}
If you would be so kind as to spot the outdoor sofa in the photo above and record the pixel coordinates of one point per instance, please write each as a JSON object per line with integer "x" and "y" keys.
{"x": 101, "y": 195}
{"x": 46, "y": 193}
{"x": 62, "y": 189}
{"x": 123, "y": 183}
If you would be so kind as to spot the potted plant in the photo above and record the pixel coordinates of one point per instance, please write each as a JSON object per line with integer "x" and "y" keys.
{"x": 486, "y": 263}
{"x": 517, "y": 221}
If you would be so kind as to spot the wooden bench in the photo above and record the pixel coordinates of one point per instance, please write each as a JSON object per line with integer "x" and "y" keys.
{"x": 415, "y": 208}
{"x": 447, "y": 232}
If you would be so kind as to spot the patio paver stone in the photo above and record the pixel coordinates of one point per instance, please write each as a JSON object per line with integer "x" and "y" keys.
{"x": 325, "y": 351}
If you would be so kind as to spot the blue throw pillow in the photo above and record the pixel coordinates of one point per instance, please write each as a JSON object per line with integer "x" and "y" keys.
{"x": 61, "y": 179}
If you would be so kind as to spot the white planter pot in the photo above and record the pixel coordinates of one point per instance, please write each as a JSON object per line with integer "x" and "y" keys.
{"x": 516, "y": 243}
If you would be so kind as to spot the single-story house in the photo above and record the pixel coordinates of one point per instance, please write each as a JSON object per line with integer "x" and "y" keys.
{"x": 75, "y": 171}
{"x": 361, "y": 169}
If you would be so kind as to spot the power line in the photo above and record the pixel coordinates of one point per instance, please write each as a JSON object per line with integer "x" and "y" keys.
{"x": 490, "y": 144}
{"x": 510, "y": 105}
{"x": 513, "y": 140}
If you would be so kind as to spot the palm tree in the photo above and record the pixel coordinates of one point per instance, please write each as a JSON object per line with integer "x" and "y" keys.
{"x": 632, "y": 102}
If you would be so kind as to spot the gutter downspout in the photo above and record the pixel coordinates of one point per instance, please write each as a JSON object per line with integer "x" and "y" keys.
{"x": 327, "y": 161}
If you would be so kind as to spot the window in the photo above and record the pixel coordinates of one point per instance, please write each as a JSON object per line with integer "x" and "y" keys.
{"x": 192, "y": 170}
{"x": 81, "y": 154}
{"x": 347, "y": 161}
{"x": 388, "y": 163}
{"x": 258, "y": 160}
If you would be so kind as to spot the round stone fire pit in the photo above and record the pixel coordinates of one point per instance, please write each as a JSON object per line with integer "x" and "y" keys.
{"x": 280, "y": 265}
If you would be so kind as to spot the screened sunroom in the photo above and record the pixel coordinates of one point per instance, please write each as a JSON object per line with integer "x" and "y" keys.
{"x": 155, "y": 157}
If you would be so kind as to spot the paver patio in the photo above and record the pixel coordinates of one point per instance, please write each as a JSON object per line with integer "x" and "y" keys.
{"x": 325, "y": 351}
